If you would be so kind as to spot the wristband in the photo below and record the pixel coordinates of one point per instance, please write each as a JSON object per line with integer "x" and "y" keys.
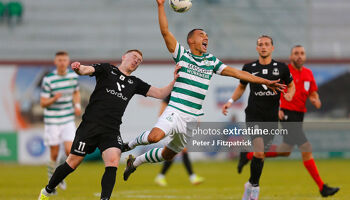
{"x": 78, "y": 106}
{"x": 230, "y": 100}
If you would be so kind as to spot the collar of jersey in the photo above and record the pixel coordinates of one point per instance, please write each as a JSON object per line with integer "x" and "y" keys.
{"x": 272, "y": 61}
{"x": 117, "y": 68}
{"x": 55, "y": 72}
{"x": 198, "y": 57}
{"x": 292, "y": 68}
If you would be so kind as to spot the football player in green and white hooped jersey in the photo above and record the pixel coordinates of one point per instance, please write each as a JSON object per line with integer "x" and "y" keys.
{"x": 60, "y": 99}
{"x": 187, "y": 96}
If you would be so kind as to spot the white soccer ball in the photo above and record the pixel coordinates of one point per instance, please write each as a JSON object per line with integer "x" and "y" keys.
{"x": 180, "y": 5}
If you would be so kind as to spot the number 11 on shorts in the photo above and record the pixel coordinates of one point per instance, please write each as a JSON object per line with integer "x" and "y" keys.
{"x": 81, "y": 146}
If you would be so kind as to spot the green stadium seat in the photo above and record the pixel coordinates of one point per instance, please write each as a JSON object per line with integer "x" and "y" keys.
{"x": 2, "y": 10}
{"x": 14, "y": 9}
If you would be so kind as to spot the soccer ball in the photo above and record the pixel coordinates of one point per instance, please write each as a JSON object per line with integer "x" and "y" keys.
{"x": 180, "y": 5}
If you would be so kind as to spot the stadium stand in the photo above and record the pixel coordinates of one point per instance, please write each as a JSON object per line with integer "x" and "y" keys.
{"x": 2, "y": 11}
{"x": 100, "y": 29}
{"x": 15, "y": 9}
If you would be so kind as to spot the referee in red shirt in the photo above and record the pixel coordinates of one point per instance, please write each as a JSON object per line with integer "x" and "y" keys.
{"x": 291, "y": 115}
{"x": 293, "y": 111}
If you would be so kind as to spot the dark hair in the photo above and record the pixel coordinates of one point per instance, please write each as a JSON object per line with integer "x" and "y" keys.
{"x": 265, "y": 36}
{"x": 295, "y": 46}
{"x": 189, "y": 35}
{"x": 134, "y": 50}
{"x": 61, "y": 53}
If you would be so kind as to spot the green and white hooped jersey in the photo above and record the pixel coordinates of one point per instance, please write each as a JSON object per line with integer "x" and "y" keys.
{"x": 193, "y": 83}
{"x": 62, "y": 111}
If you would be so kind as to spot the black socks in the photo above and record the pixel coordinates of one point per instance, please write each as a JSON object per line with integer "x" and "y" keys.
{"x": 256, "y": 167}
{"x": 166, "y": 166}
{"x": 60, "y": 173}
{"x": 187, "y": 163}
{"x": 107, "y": 182}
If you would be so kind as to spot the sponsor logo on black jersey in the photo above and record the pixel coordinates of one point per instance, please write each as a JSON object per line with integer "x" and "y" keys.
{"x": 265, "y": 93}
{"x": 117, "y": 94}
{"x": 120, "y": 86}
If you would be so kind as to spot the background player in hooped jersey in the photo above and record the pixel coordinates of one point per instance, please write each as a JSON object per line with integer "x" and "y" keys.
{"x": 263, "y": 106}
{"x": 60, "y": 98}
{"x": 102, "y": 118}
{"x": 187, "y": 96}
{"x": 293, "y": 111}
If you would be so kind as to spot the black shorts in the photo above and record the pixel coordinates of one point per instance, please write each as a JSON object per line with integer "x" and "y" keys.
{"x": 90, "y": 136}
{"x": 293, "y": 122}
{"x": 262, "y": 122}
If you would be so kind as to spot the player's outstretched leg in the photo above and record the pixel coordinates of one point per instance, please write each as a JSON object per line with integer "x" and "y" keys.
{"x": 60, "y": 173}
{"x": 152, "y": 156}
{"x": 142, "y": 139}
{"x": 145, "y": 138}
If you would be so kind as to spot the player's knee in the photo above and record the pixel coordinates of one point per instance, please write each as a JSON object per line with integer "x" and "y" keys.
{"x": 306, "y": 156}
{"x": 168, "y": 154}
{"x": 154, "y": 138}
{"x": 306, "y": 147}
{"x": 74, "y": 161}
{"x": 54, "y": 156}
{"x": 259, "y": 154}
{"x": 168, "y": 157}
{"x": 112, "y": 163}
{"x": 67, "y": 151}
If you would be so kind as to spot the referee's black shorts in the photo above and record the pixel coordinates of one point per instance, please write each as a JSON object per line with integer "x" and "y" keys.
{"x": 262, "y": 121}
{"x": 293, "y": 122}
{"x": 90, "y": 136}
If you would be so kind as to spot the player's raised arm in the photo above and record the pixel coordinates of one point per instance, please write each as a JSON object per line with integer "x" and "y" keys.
{"x": 246, "y": 76}
{"x": 82, "y": 69}
{"x": 161, "y": 93}
{"x": 169, "y": 38}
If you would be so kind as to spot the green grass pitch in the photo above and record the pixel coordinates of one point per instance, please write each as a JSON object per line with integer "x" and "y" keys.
{"x": 281, "y": 179}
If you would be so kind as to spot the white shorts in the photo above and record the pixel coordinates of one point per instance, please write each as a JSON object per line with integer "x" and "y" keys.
{"x": 173, "y": 123}
{"x": 57, "y": 134}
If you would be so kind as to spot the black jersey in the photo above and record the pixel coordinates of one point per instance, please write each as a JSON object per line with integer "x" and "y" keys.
{"x": 262, "y": 100}
{"x": 112, "y": 94}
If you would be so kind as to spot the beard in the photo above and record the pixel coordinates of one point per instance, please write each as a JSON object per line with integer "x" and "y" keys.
{"x": 298, "y": 65}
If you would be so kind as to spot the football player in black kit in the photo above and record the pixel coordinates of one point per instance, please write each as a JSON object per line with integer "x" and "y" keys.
{"x": 263, "y": 106}
{"x": 100, "y": 125}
